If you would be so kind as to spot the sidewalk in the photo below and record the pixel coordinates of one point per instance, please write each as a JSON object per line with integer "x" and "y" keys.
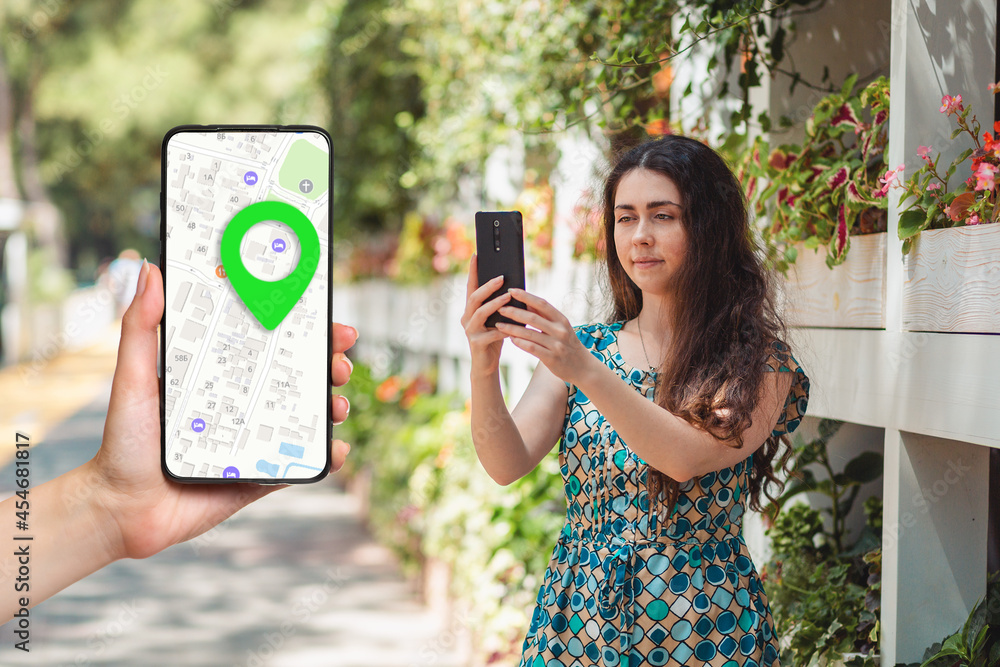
{"x": 294, "y": 579}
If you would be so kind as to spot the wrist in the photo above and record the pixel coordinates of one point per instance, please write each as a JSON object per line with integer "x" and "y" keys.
{"x": 484, "y": 374}
{"x": 93, "y": 502}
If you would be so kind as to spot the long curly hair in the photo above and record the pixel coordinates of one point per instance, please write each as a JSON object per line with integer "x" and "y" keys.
{"x": 724, "y": 321}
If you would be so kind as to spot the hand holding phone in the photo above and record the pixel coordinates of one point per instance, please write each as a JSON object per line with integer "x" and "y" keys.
{"x": 500, "y": 252}
{"x": 246, "y": 215}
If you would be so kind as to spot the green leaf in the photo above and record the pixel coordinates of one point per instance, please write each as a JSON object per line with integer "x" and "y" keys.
{"x": 848, "y": 86}
{"x": 953, "y": 645}
{"x": 911, "y": 223}
{"x": 865, "y": 467}
{"x": 778, "y": 44}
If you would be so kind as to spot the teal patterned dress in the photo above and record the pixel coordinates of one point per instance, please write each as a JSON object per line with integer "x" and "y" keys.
{"x": 628, "y": 586}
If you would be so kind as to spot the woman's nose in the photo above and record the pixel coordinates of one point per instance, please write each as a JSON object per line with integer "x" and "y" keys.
{"x": 643, "y": 233}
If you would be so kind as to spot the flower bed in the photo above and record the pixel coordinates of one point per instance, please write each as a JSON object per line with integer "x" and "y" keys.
{"x": 952, "y": 279}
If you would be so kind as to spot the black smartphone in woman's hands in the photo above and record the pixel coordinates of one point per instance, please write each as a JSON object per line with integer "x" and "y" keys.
{"x": 500, "y": 251}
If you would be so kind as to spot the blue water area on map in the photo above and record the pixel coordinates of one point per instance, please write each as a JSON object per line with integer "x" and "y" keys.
{"x": 288, "y": 449}
{"x": 268, "y": 468}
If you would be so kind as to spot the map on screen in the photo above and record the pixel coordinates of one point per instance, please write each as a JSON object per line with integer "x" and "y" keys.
{"x": 242, "y": 400}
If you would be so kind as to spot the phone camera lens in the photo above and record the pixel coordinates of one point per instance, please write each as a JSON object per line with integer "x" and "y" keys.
{"x": 496, "y": 223}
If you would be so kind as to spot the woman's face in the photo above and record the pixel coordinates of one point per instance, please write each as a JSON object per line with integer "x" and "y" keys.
{"x": 649, "y": 233}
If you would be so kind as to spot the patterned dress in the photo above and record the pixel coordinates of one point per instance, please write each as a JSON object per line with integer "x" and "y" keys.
{"x": 628, "y": 587}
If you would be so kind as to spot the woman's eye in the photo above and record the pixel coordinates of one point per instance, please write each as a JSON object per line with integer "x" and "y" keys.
{"x": 664, "y": 216}
{"x": 624, "y": 218}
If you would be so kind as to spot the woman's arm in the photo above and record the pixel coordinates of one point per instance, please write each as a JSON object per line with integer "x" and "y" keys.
{"x": 508, "y": 446}
{"x": 665, "y": 441}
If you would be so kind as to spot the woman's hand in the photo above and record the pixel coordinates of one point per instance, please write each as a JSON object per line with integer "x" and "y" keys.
{"x": 555, "y": 344}
{"x": 145, "y": 512}
{"x": 484, "y": 342}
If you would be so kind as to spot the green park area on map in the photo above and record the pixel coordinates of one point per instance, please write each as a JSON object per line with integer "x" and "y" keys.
{"x": 305, "y": 161}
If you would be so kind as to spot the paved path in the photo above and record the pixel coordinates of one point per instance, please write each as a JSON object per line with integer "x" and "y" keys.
{"x": 291, "y": 580}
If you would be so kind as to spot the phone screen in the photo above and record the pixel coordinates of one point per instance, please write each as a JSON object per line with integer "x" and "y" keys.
{"x": 246, "y": 325}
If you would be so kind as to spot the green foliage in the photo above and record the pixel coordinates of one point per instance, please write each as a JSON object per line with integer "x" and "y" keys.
{"x": 430, "y": 497}
{"x": 977, "y": 642}
{"x": 840, "y": 488}
{"x": 374, "y": 95}
{"x": 825, "y": 593}
{"x": 824, "y": 190}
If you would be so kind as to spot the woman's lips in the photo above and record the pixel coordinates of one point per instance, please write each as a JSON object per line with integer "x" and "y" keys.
{"x": 646, "y": 262}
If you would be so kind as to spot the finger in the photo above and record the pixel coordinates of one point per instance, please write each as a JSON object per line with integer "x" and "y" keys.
{"x": 485, "y": 290}
{"x": 527, "y": 317}
{"x": 343, "y": 337}
{"x": 537, "y": 304}
{"x": 338, "y": 453}
{"x": 341, "y": 408}
{"x": 341, "y": 369}
{"x": 473, "y": 281}
{"x": 489, "y": 336}
{"x": 531, "y": 347}
{"x": 517, "y": 333}
{"x": 135, "y": 373}
{"x": 478, "y": 318}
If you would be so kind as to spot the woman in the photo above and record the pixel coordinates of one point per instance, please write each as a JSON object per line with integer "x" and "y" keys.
{"x": 670, "y": 418}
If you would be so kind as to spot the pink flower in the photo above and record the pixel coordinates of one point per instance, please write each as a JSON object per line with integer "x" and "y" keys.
{"x": 986, "y": 176}
{"x": 950, "y": 105}
{"x": 924, "y": 153}
{"x": 933, "y": 186}
{"x": 973, "y": 220}
{"x": 890, "y": 176}
{"x": 993, "y": 87}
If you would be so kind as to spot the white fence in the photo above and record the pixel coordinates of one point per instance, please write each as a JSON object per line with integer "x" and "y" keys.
{"x": 410, "y": 328}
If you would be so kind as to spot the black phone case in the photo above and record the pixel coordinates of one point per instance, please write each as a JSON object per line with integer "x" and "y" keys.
{"x": 500, "y": 251}
{"x": 163, "y": 320}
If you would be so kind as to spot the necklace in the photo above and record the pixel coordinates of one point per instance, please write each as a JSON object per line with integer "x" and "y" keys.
{"x": 652, "y": 369}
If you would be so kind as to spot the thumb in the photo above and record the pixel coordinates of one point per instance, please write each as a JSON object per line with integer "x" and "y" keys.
{"x": 135, "y": 374}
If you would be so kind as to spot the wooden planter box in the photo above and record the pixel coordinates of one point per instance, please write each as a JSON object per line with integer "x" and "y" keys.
{"x": 952, "y": 281}
{"x": 851, "y": 295}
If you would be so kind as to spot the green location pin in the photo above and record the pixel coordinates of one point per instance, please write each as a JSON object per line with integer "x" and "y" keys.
{"x": 270, "y": 301}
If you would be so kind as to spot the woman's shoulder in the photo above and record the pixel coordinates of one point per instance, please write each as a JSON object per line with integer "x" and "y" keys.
{"x": 781, "y": 360}
{"x": 597, "y": 335}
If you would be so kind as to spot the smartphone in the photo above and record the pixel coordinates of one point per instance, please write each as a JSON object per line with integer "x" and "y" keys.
{"x": 500, "y": 251}
{"x": 246, "y": 222}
